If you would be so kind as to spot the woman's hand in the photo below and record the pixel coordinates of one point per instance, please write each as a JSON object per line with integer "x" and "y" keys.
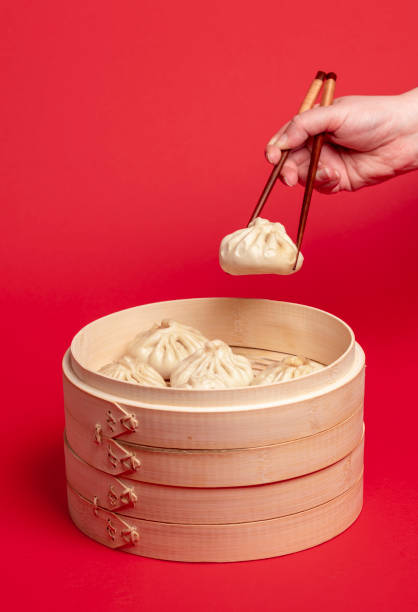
{"x": 369, "y": 139}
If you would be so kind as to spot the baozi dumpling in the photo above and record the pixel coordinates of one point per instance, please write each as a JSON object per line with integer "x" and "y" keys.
{"x": 261, "y": 248}
{"x": 129, "y": 369}
{"x": 205, "y": 381}
{"x": 213, "y": 366}
{"x": 286, "y": 369}
{"x": 165, "y": 345}
{"x": 118, "y": 371}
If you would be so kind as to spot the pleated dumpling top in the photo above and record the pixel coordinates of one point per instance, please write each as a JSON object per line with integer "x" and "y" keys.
{"x": 261, "y": 248}
{"x": 129, "y": 369}
{"x": 213, "y": 366}
{"x": 165, "y": 345}
{"x": 286, "y": 369}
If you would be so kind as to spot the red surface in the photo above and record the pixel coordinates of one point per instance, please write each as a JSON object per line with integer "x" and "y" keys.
{"x": 134, "y": 136}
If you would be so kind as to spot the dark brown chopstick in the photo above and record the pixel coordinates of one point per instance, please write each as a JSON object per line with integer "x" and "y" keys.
{"x": 318, "y": 141}
{"x": 308, "y": 102}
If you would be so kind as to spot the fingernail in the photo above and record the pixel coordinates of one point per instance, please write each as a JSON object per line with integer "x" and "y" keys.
{"x": 282, "y": 142}
{"x": 288, "y": 183}
{"x": 323, "y": 174}
{"x": 273, "y": 155}
{"x": 272, "y": 141}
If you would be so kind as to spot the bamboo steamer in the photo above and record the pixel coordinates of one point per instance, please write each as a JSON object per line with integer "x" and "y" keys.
{"x": 217, "y": 468}
{"x": 229, "y": 542}
{"x": 165, "y": 472}
{"x": 212, "y": 506}
{"x": 228, "y": 418}
{"x": 232, "y": 427}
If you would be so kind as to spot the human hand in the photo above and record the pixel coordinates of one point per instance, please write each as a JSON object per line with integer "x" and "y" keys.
{"x": 369, "y": 139}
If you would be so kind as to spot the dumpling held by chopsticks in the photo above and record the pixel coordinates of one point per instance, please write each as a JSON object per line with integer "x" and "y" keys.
{"x": 261, "y": 248}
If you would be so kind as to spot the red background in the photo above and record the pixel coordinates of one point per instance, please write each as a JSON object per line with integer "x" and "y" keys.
{"x": 133, "y": 141}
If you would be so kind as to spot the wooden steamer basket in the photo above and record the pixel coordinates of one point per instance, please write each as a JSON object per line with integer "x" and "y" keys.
{"x": 151, "y": 461}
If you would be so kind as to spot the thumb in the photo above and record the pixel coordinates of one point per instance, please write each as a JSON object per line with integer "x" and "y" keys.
{"x": 307, "y": 124}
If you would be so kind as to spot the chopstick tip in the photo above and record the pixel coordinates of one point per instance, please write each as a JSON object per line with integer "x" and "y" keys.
{"x": 321, "y": 75}
{"x": 331, "y": 75}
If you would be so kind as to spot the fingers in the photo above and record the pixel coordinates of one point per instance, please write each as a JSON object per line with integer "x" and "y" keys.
{"x": 296, "y": 132}
{"x": 290, "y": 173}
{"x": 328, "y": 175}
{"x": 327, "y": 180}
{"x": 294, "y": 164}
{"x": 273, "y": 153}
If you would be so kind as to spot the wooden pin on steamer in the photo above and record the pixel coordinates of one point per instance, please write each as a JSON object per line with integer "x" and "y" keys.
{"x": 308, "y": 102}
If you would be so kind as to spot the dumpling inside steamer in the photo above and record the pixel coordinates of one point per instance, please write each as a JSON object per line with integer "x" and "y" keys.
{"x": 181, "y": 354}
{"x": 165, "y": 345}
{"x": 287, "y": 369}
{"x": 213, "y": 366}
{"x": 129, "y": 369}
{"x": 261, "y": 248}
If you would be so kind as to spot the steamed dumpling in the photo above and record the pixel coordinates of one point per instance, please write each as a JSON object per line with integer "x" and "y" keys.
{"x": 213, "y": 366}
{"x": 204, "y": 381}
{"x": 261, "y": 248}
{"x": 118, "y": 371}
{"x": 286, "y": 369}
{"x": 165, "y": 345}
{"x": 129, "y": 369}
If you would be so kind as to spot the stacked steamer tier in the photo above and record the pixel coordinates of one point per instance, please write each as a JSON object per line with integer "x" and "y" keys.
{"x": 206, "y": 475}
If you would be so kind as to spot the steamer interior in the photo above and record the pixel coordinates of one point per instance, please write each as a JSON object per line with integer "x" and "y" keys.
{"x": 251, "y": 326}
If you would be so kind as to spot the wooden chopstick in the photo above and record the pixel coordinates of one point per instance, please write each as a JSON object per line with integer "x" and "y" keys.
{"x": 318, "y": 141}
{"x": 308, "y": 102}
